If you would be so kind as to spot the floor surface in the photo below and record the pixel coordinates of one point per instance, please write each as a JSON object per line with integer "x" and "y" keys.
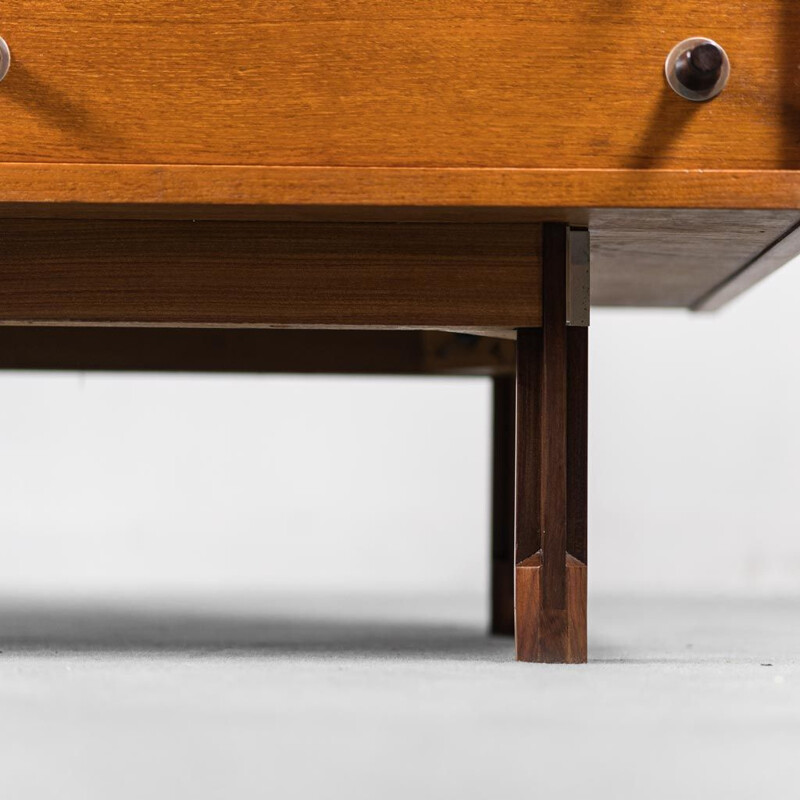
{"x": 368, "y": 698}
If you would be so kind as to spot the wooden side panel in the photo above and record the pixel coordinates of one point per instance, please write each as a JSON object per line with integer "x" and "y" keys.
{"x": 262, "y": 274}
{"x": 672, "y": 257}
{"x": 640, "y": 257}
{"x": 448, "y": 83}
{"x": 779, "y": 253}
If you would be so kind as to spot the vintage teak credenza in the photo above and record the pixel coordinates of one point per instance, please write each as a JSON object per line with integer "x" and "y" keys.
{"x": 435, "y": 187}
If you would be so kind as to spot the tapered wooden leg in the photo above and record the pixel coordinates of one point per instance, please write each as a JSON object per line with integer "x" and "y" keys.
{"x": 503, "y": 433}
{"x": 550, "y": 537}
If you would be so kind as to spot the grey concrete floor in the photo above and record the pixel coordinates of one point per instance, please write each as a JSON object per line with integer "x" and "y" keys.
{"x": 403, "y": 698}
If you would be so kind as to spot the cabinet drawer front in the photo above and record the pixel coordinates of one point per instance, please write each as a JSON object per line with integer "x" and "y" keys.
{"x": 437, "y": 83}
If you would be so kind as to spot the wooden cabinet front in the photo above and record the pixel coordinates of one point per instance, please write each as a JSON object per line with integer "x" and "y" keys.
{"x": 539, "y": 84}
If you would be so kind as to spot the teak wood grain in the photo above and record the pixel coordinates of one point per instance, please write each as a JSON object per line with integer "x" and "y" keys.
{"x": 366, "y": 102}
{"x": 265, "y": 274}
{"x": 310, "y": 192}
{"x": 452, "y": 83}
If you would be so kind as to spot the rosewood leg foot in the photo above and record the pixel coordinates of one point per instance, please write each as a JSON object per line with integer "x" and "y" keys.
{"x": 502, "y": 578}
{"x": 546, "y": 634}
{"x": 551, "y": 431}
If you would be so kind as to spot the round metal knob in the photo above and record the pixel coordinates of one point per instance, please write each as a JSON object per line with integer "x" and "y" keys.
{"x": 698, "y": 69}
{"x": 5, "y": 58}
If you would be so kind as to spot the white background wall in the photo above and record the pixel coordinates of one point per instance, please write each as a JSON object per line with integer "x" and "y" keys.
{"x": 143, "y": 483}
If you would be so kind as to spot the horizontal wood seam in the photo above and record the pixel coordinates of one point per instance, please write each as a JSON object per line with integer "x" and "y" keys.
{"x": 511, "y": 187}
{"x": 407, "y": 168}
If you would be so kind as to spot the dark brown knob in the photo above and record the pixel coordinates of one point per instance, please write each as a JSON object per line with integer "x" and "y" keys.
{"x": 700, "y": 68}
{"x": 697, "y": 69}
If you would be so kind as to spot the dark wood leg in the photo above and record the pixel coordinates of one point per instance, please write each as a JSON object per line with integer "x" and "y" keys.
{"x": 503, "y": 434}
{"x": 550, "y": 539}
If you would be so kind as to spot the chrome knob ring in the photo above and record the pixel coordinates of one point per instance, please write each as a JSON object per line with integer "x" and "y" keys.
{"x": 5, "y": 58}
{"x": 697, "y": 69}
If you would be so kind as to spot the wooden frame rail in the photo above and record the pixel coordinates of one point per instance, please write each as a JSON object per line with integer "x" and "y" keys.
{"x": 262, "y": 274}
